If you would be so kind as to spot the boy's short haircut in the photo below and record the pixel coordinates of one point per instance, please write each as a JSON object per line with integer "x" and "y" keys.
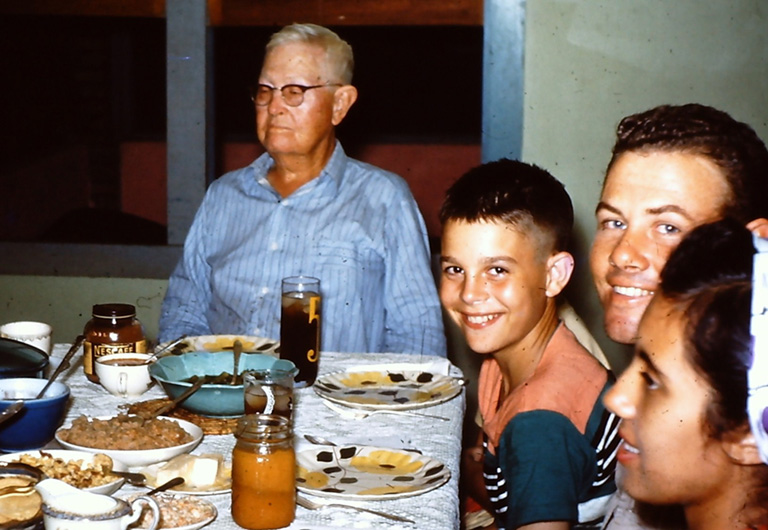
{"x": 512, "y": 192}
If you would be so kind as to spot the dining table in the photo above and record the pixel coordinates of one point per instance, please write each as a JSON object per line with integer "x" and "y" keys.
{"x": 434, "y": 431}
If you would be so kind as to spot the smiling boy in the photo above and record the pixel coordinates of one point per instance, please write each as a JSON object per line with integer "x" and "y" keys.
{"x": 549, "y": 442}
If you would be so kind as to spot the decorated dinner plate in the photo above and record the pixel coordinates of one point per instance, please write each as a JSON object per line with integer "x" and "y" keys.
{"x": 214, "y": 343}
{"x": 387, "y": 390}
{"x": 366, "y": 472}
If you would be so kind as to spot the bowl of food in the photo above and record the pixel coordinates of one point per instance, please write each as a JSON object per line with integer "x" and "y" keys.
{"x": 35, "y": 425}
{"x": 19, "y": 359}
{"x": 179, "y": 512}
{"x": 131, "y": 439}
{"x": 81, "y": 469}
{"x": 219, "y": 396}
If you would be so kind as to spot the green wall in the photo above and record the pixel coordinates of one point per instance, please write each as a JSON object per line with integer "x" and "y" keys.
{"x": 66, "y": 302}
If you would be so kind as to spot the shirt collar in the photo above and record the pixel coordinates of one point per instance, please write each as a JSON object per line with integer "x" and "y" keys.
{"x": 333, "y": 172}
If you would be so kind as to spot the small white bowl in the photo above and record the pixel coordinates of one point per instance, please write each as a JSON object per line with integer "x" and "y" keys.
{"x": 67, "y": 455}
{"x": 137, "y": 458}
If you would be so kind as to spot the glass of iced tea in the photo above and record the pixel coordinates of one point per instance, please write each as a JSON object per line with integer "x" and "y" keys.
{"x": 300, "y": 326}
{"x": 268, "y": 391}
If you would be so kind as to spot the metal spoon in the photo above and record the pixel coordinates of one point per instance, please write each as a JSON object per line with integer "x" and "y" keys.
{"x": 318, "y": 441}
{"x": 166, "y": 486}
{"x": 11, "y": 411}
{"x": 237, "y": 349}
{"x": 160, "y": 353}
{"x": 63, "y": 365}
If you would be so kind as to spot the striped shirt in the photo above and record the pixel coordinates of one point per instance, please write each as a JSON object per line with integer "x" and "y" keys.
{"x": 355, "y": 227}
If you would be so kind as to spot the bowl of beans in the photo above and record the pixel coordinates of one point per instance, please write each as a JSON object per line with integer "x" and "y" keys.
{"x": 131, "y": 439}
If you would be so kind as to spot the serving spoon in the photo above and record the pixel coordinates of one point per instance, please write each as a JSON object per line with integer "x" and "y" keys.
{"x": 10, "y": 411}
{"x": 63, "y": 365}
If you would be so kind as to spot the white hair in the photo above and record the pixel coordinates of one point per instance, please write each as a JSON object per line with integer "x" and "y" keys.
{"x": 337, "y": 50}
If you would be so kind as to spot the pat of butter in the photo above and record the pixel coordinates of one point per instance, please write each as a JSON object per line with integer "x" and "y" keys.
{"x": 198, "y": 471}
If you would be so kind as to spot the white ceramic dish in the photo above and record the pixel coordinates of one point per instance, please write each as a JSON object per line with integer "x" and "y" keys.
{"x": 165, "y": 498}
{"x": 222, "y": 485}
{"x": 361, "y": 472}
{"x": 68, "y": 456}
{"x": 137, "y": 458}
{"x": 387, "y": 390}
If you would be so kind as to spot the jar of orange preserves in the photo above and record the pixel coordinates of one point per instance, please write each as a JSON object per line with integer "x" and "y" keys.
{"x": 263, "y": 472}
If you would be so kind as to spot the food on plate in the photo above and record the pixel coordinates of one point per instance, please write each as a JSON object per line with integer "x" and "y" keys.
{"x": 200, "y": 472}
{"x": 22, "y": 503}
{"x": 76, "y": 472}
{"x": 125, "y": 432}
{"x": 177, "y": 511}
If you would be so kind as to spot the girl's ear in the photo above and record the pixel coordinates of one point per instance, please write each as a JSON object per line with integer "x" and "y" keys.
{"x": 741, "y": 447}
{"x": 559, "y": 270}
{"x": 343, "y": 99}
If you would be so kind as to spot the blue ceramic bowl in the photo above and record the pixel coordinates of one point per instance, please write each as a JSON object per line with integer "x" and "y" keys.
{"x": 217, "y": 400}
{"x": 37, "y": 422}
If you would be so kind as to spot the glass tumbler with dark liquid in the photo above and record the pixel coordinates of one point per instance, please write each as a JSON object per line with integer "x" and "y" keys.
{"x": 300, "y": 326}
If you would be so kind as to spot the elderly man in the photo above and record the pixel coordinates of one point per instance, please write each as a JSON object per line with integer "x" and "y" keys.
{"x": 305, "y": 208}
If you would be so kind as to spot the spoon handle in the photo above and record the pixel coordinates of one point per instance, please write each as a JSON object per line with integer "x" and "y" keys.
{"x": 63, "y": 365}
{"x": 166, "y": 486}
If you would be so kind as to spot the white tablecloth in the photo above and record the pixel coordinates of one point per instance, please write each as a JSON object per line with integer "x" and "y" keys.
{"x": 437, "y": 509}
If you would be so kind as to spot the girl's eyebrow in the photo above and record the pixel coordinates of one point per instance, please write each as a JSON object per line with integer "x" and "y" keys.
{"x": 643, "y": 355}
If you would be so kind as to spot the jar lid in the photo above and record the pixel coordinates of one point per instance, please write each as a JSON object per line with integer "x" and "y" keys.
{"x": 114, "y": 310}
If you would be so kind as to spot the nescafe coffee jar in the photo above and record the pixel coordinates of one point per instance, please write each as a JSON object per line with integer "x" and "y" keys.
{"x": 114, "y": 328}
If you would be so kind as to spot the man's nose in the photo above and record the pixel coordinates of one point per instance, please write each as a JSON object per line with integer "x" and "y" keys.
{"x": 631, "y": 252}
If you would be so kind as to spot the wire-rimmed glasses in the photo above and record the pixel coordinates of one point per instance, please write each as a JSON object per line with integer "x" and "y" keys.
{"x": 293, "y": 94}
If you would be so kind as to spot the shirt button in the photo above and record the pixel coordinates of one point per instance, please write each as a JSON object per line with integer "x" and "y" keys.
{"x": 264, "y": 290}
{"x": 273, "y": 246}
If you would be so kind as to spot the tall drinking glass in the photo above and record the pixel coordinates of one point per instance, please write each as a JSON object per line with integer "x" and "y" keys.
{"x": 300, "y": 326}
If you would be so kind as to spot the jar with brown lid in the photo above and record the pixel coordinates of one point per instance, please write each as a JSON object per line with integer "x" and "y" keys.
{"x": 114, "y": 328}
{"x": 263, "y": 472}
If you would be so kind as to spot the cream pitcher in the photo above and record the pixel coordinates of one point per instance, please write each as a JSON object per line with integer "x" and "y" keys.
{"x": 67, "y": 508}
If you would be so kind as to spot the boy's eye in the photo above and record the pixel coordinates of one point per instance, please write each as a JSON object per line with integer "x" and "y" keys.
{"x": 497, "y": 271}
{"x": 650, "y": 382}
{"x": 452, "y": 269}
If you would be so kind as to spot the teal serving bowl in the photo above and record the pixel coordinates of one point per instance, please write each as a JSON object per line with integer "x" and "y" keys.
{"x": 220, "y": 400}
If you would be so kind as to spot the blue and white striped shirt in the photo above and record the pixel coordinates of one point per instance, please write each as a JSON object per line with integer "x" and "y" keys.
{"x": 356, "y": 227}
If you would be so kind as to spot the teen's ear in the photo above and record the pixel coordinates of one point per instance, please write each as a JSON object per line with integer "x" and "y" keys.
{"x": 559, "y": 270}
{"x": 343, "y": 99}
{"x": 741, "y": 447}
{"x": 759, "y": 227}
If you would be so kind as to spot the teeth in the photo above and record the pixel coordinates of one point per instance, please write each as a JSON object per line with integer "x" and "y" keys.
{"x": 631, "y": 448}
{"x": 480, "y": 319}
{"x": 632, "y": 291}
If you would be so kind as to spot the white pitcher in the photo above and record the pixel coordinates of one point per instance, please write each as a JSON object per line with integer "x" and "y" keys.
{"x": 66, "y": 507}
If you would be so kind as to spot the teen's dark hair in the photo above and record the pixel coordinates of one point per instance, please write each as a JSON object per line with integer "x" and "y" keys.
{"x": 698, "y": 129}
{"x": 710, "y": 275}
{"x": 512, "y": 192}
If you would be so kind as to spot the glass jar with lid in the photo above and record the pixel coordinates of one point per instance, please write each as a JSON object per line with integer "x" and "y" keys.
{"x": 113, "y": 328}
{"x": 263, "y": 472}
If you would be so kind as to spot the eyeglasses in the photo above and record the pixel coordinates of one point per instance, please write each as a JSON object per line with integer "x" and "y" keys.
{"x": 293, "y": 95}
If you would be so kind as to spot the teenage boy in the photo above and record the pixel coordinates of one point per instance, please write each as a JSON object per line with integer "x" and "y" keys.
{"x": 549, "y": 442}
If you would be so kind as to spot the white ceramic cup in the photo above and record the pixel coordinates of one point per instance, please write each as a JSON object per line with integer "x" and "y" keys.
{"x": 37, "y": 334}
{"x": 123, "y": 374}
